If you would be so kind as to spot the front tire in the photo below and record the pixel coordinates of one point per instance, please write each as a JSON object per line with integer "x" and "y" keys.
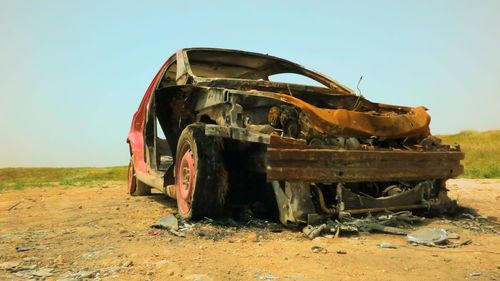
{"x": 201, "y": 179}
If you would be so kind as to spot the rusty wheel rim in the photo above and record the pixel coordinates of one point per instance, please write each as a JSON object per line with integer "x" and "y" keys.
{"x": 185, "y": 182}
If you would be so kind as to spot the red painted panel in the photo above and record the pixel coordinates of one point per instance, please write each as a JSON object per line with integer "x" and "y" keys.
{"x": 135, "y": 135}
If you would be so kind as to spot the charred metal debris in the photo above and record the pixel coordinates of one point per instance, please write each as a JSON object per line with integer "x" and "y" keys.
{"x": 396, "y": 223}
{"x": 419, "y": 231}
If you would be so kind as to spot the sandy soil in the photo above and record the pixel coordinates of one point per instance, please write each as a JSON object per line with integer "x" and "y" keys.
{"x": 101, "y": 231}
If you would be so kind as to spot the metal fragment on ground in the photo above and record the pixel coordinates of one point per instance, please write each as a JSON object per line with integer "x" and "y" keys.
{"x": 313, "y": 232}
{"x": 319, "y": 249}
{"x": 428, "y": 236}
{"x": 169, "y": 222}
{"x": 395, "y": 223}
{"x": 386, "y": 245}
{"x": 477, "y": 223}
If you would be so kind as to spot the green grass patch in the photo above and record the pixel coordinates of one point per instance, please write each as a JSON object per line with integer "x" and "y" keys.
{"x": 19, "y": 178}
{"x": 482, "y": 152}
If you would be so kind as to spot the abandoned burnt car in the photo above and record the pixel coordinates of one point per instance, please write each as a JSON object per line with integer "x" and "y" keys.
{"x": 215, "y": 130}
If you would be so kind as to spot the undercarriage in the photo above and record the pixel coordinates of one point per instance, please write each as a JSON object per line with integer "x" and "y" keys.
{"x": 314, "y": 183}
{"x": 311, "y": 182}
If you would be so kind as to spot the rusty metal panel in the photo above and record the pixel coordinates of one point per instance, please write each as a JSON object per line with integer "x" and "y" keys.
{"x": 342, "y": 122}
{"x": 330, "y": 165}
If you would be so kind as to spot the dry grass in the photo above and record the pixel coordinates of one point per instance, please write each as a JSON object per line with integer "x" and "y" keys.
{"x": 482, "y": 152}
{"x": 19, "y": 178}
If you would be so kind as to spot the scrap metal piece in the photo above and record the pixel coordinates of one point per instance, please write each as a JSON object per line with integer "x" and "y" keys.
{"x": 294, "y": 202}
{"x": 319, "y": 249}
{"x": 169, "y": 222}
{"x": 386, "y": 245}
{"x": 428, "y": 236}
{"x": 399, "y": 218}
{"x": 312, "y": 232}
{"x": 393, "y": 224}
{"x": 357, "y": 204}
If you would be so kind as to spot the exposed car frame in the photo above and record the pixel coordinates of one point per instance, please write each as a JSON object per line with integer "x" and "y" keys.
{"x": 321, "y": 150}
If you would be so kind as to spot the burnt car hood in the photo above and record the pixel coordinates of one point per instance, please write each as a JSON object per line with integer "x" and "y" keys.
{"x": 408, "y": 122}
{"x": 342, "y": 122}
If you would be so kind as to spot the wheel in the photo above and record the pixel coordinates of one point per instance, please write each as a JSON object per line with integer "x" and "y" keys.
{"x": 201, "y": 180}
{"x": 136, "y": 187}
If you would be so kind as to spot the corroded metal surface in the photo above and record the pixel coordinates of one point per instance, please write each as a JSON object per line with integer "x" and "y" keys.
{"x": 337, "y": 165}
{"x": 344, "y": 122}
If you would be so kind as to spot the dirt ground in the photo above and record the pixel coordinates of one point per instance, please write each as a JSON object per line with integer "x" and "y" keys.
{"x": 100, "y": 232}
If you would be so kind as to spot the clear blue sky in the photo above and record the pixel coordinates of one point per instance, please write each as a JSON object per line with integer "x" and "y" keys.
{"x": 72, "y": 73}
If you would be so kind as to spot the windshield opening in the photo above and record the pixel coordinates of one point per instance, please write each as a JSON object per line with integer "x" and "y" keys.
{"x": 239, "y": 65}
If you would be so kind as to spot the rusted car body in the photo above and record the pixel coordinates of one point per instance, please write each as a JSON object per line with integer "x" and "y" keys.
{"x": 213, "y": 129}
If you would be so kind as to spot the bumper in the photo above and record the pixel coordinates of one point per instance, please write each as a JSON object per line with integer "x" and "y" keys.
{"x": 326, "y": 165}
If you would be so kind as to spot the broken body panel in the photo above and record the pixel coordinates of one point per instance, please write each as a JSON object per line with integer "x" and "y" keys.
{"x": 322, "y": 150}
